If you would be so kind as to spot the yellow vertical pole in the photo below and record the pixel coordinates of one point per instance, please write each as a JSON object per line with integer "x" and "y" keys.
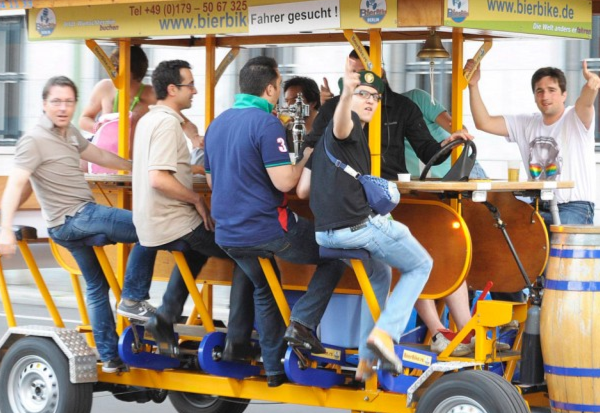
{"x": 375, "y": 124}
{"x": 209, "y": 115}
{"x": 123, "y": 197}
{"x": 457, "y": 81}
{"x": 124, "y": 85}
{"x": 209, "y": 93}
{"x": 457, "y": 92}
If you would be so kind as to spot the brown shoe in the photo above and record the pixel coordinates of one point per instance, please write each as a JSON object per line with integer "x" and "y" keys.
{"x": 365, "y": 369}
{"x": 382, "y": 345}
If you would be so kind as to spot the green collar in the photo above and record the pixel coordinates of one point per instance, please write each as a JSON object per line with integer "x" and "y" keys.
{"x": 244, "y": 101}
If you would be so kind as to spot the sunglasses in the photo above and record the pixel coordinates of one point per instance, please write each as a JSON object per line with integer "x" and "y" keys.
{"x": 536, "y": 170}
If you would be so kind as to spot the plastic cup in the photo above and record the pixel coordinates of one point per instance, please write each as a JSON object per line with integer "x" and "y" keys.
{"x": 513, "y": 171}
{"x": 403, "y": 177}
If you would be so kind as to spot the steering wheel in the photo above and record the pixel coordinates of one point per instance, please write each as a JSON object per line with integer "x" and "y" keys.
{"x": 462, "y": 167}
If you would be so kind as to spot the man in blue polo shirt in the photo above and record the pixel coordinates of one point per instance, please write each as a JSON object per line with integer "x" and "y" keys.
{"x": 249, "y": 170}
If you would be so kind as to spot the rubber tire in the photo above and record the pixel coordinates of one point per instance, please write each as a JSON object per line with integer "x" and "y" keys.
{"x": 39, "y": 360}
{"x": 202, "y": 403}
{"x": 483, "y": 390}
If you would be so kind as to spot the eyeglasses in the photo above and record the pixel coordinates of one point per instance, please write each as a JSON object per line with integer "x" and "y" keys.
{"x": 190, "y": 85}
{"x": 366, "y": 95}
{"x": 57, "y": 102}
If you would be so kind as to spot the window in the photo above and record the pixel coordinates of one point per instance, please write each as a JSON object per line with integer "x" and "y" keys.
{"x": 12, "y": 35}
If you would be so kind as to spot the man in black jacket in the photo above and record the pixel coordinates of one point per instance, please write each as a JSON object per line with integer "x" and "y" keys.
{"x": 400, "y": 117}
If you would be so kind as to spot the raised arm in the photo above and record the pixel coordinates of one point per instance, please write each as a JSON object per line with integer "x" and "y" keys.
{"x": 584, "y": 106}
{"x": 16, "y": 191}
{"x": 342, "y": 117}
{"x": 483, "y": 120}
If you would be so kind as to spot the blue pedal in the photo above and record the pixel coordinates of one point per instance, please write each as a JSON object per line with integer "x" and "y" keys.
{"x": 213, "y": 343}
{"x": 143, "y": 359}
{"x": 412, "y": 358}
{"x": 309, "y": 376}
{"x": 396, "y": 384}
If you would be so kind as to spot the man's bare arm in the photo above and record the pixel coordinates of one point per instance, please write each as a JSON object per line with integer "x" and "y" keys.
{"x": 483, "y": 120}
{"x": 303, "y": 188}
{"x": 105, "y": 158}
{"x": 342, "y": 117}
{"x": 87, "y": 121}
{"x": 286, "y": 177}
{"x": 584, "y": 106}
{"x": 168, "y": 185}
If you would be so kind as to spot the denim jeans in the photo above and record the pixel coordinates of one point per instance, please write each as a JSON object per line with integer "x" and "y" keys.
{"x": 477, "y": 172}
{"x": 298, "y": 245}
{"x": 391, "y": 243}
{"x": 380, "y": 276}
{"x": 117, "y": 225}
{"x": 200, "y": 245}
{"x": 570, "y": 213}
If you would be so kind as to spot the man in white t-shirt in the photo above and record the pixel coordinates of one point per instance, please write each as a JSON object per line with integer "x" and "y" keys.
{"x": 555, "y": 144}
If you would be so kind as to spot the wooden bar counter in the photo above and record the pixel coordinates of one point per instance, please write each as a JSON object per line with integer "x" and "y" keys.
{"x": 466, "y": 244}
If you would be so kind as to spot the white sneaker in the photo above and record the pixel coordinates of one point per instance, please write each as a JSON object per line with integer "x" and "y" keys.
{"x": 439, "y": 343}
{"x": 141, "y": 310}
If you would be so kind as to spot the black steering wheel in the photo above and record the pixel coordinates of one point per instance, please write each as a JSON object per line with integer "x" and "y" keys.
{"x": 462, "y": 167}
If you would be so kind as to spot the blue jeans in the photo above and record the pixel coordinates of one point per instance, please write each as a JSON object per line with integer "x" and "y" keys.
{"x": 477, "y": 172}
{"x": 117, "y": 225}
{"x": 380, "y": 277}
{"x": 573, "y": 213}
{"x": 391, "y": 243}
{"x": 200, "y": 245}
{"x": 298, "y": 245}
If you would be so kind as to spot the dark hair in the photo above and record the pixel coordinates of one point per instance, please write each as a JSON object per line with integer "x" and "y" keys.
{"x": 138, "y": 62}
{"x": 58, "y": 81}
{"x": 354, "y": 55}
{"x": 554, "y": 73}
{"x": 258, "y": 73}
{"x": 310, "y": 89}
{"x": 167, "y": 73}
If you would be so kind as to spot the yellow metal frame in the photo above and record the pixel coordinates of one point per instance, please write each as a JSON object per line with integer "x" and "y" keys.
{"x": 190, "y": 282}
{"x": 40, "y": 283}
{"x": 488, "y": 316}
{"x": 5, "y": 297}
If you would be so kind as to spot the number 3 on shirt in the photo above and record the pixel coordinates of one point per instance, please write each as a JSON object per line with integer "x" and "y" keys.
{"x": 282, "y": 145}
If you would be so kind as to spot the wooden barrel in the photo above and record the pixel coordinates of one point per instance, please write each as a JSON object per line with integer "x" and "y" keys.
{"x": 570, "y": 319}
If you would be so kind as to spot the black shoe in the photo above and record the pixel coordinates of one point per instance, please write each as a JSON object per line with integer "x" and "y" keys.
{"x": 276, "y": 380}
{"x": 239, "y": 352}
{"x": 115, "y": 365}
{"x": 163, "y": 334}
{"x": 299, "y": 335}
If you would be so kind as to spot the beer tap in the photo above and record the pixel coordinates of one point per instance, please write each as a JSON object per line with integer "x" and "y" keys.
{"x": 299, "y": 110}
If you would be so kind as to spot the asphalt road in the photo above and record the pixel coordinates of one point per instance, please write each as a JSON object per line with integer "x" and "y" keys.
{"x": 105, "y": 402}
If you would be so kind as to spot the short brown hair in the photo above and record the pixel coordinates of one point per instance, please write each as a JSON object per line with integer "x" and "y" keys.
{"x": 554, "y": 73}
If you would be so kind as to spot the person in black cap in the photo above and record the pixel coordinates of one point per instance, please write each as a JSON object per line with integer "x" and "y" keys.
{"x": 345, "y": 220}
{"x": 400, "y": 117}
